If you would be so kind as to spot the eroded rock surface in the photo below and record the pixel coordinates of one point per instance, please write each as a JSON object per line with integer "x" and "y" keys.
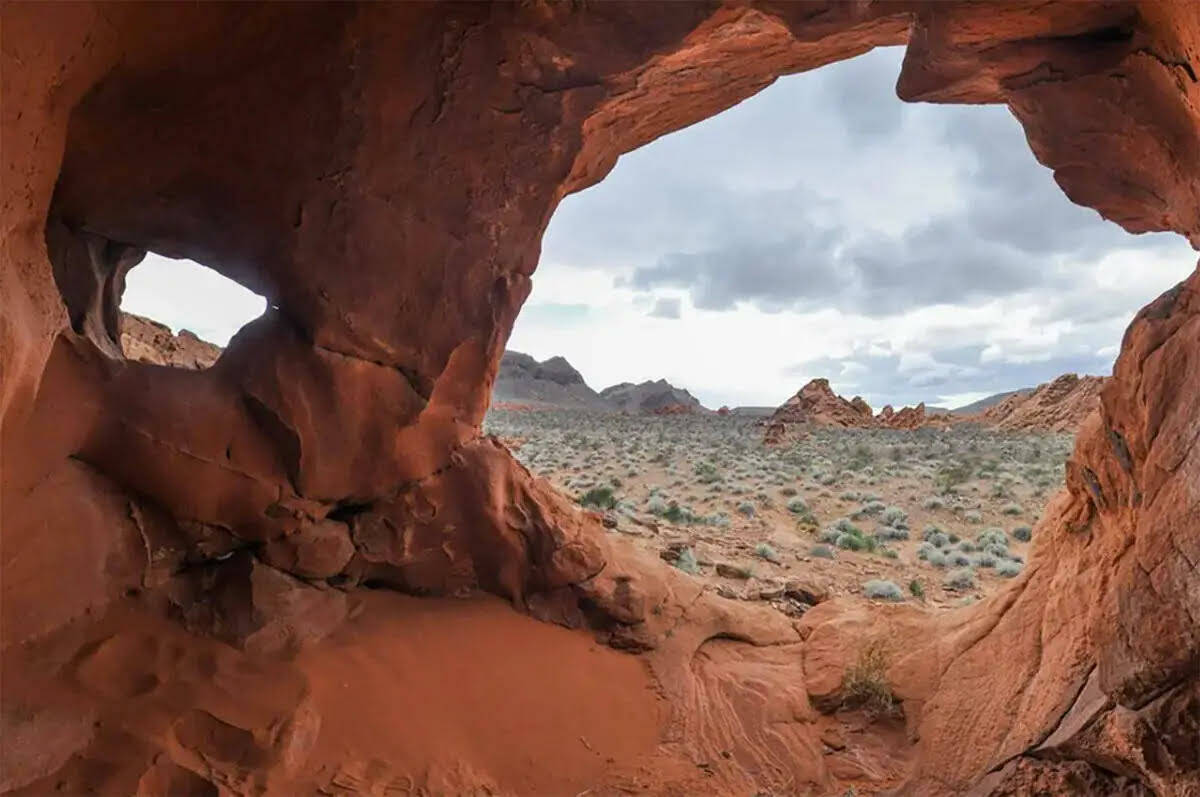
{"x": 151, "y": 342}
{"x": 179, "y": 599}
{"x": 1057, "y": 406}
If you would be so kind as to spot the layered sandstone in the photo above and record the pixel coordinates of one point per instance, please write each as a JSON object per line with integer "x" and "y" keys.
{"x": 1057, "y": 406}
{"x": 209, "y": 575}
{"x": 151, "y": 342}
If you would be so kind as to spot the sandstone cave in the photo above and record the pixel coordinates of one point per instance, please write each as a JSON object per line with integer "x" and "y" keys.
{"x": 195, "y": 560}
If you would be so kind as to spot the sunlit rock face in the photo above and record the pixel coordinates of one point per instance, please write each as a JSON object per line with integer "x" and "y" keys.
{"x": 194, "y": 559}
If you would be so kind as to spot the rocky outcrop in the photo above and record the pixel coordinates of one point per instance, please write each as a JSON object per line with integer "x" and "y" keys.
{"x": 1057, "y": 406}
{"x": 659, "y": 396}
{"x": 382, "y": 173}
{"x": 151, "y": 342}
{"x": 906, "y": 418}
{"x": 553, "y": 383}
{"x": 817, "y": 405}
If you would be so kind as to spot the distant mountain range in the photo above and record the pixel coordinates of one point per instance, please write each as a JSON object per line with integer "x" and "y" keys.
{"x": 556, "y": 383}
{"x": 553, "y": 382}
{"x": 990, "y": 401}
{"x": 657, "y": 396}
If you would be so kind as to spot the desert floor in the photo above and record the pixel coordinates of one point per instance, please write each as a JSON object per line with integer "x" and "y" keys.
{"x": 933, "y": 516}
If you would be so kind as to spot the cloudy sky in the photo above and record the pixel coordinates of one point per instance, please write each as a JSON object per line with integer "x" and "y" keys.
{"x": 819, "y": 228}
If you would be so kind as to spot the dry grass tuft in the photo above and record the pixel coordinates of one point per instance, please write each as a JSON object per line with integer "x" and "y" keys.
{"x": 865, "y": 683}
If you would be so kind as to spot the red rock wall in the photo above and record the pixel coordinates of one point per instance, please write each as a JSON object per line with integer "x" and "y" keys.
{"x": 383, "y": 174}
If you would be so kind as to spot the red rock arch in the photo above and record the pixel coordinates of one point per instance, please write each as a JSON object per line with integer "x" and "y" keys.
{"x": 383, "y": 174}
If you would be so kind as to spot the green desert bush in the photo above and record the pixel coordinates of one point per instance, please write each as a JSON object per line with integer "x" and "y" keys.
{"x": 822, "y": 552}
{"x": 891, "y": 533}
{"x": 895, "y": 516}
{"x": 916, "y": 589}
{"x": 1008, "y": 568}
{"x": 846, "y": 525}
{"x": 686, "y": 561}
{"x": 1011, "y": 509}
{"x": 992, "y": 536}
{"x": 1022, "y": 533}
{"x": 879, "y": 589}
{"x": 765, "y": 551}
{"x": 599, "y": 498}
{"x": 797, "y": 506}
{"x": 937, "y": 539}
{"x": 960, "y": 580}
{"x": 850, "y": 542}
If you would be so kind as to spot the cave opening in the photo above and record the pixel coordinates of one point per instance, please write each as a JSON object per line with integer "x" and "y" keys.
{"x": 908, "y": 252}
{"x": 179, "y": 312}
{"x": 947, "y": 313}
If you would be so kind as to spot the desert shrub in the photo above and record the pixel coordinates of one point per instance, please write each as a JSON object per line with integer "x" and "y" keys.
{"x": 822, "y": 552}
{"x": 797, "y": 506}
{"x": 599, "y": 498}
{"x": 878, "y": 589}
{"x": 958, "y": 559}
{"x": 850, "y": 542}
{"x": 959, "y": 580}
{"x": 850, "y": 495}
{"x": 765, "y": 551}
{"x": 890, "y": 533}
{"x": 966, "y": 546}
{"x": 937, "y": 539}
{"x": 1011, "y": 509}
{"x": 686, "y": 561}
{"x": 997, "y": 550}
{"x": 845, "y": 524}
{"x": 951, "y": 476}
{"x": 1008, "y": 568}
{"x": 706, "y": 472}
{"x": 746, "y": 508}
{"x": 972, "y": 516}
{"x": 1022, "y": 533}
{"x": 871, "y": 508}
{"x": 985, "y": 560}
{"x": 865, "y": 684}
{"x": 937, "y": 559}
{"x": 895, "y": 516}
{"x": 674, "y": 513}
{"x": 656, "y": 505}
{"x": 888, "y": 553}
{"x": 953, "y": 537}
{"x": 828, "y": 535}
{"x": 861, "y": 458}
{"x": 992, "y": 536}
{"x": 916, "y": 589}
{"x": 933, "y": 502}
{"x": 788, "y": 492}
